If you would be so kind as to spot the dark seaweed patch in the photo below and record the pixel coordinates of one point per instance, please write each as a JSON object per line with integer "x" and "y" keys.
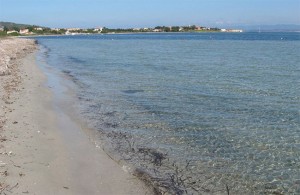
{"x": 111, "y": 125}
{"x": 110, "y": 113}
{"x": 66, "y": 72}
{"x": 132, "y": 91}
{"x": 76, "y": 60}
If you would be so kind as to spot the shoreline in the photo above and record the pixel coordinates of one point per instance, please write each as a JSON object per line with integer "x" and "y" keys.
{"x": 42, "y": 149}
{"x": 122, "y": 33}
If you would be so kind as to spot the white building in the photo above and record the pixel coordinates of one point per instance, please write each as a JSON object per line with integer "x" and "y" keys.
{"x": 11, "y": 31}
{"x": 157, "y": 30}
{"x": 73, "y": 29}
{"x": 235, "y": 30}
{"x": 99, "y": 29}
{"x": 56, "y": 29}
{"x": 24, "y": 31}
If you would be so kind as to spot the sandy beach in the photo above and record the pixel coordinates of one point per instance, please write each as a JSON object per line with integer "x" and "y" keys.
{"x": 43, "y": 151}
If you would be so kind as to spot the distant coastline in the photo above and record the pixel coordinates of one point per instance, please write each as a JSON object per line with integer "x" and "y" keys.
{"x": 13, "y": 29}
{"x": 119, "y": 33}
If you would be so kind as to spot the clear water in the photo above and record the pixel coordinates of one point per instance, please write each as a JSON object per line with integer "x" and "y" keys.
{"x": 199, "y": 113}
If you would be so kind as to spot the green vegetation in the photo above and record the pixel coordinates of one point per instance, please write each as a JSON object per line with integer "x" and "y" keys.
{"x": 14, "y": 34}
{"x": 2, "y": 33}
{"x": 46, "y": 31}
{"x": 192, "y": 28}
{"x": 118, "y": 30}
{"x": 13, "y": 29}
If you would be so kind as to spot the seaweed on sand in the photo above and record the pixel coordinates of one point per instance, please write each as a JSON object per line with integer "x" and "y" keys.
{"x": 158, "y": 171}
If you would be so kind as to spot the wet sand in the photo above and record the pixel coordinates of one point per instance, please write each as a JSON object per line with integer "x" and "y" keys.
{"x": 42, "y": 149}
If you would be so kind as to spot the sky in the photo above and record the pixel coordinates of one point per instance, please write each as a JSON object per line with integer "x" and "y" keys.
{"x": 149, "y": 13}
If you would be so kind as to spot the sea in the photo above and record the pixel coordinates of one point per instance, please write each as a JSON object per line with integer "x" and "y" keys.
{"x": 190, "y": 113}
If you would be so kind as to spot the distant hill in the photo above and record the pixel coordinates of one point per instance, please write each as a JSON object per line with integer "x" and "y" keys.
{"x": 11, "y": 25}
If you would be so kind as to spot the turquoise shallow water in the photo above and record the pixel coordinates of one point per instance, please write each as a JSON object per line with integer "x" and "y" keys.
{"x": 200, "y": 113}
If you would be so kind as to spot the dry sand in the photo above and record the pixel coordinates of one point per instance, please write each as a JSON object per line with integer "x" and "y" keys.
{"x": 43, "y": 151}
